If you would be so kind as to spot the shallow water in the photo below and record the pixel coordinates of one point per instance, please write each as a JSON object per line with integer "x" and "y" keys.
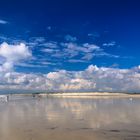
{"x": 53, "y": 118}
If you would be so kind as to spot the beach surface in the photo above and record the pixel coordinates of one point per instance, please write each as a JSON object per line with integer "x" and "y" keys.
{"x": 52, "y": 117}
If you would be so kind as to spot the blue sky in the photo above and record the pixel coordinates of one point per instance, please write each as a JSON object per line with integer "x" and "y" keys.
{"x": 69, "y": 35}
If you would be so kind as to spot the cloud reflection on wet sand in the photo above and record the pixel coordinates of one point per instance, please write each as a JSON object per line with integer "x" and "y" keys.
{"x": 70, "y": 118}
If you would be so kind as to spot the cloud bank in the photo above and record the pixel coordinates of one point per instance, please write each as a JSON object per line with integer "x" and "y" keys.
{"x": 93, "y": 78}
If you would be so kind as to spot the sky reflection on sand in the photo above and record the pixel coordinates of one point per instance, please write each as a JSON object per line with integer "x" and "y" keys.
{"x": 63, "y": 114}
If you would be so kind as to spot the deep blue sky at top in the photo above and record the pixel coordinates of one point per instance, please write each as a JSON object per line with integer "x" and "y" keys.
{"x": 90, "y": 21}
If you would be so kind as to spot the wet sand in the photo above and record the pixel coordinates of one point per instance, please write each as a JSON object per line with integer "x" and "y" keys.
{"x": 53, "y": 118}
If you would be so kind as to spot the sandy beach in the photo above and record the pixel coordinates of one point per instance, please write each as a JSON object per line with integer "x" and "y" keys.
{"x": 73, "y": 118}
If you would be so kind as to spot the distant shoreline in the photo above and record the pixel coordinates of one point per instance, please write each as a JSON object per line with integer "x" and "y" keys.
{"x": 92, "y": 94}
{"x": 77, "y": 94}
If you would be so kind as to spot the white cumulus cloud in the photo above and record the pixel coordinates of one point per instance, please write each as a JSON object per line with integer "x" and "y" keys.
{"x": 13, "y": 54}
{"x": 92, "y": 78}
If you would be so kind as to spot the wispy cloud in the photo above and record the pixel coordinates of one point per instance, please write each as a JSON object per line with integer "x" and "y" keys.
{"x": 110, "y": 44}
{"x": 46, "y": 52}
{"x": 86, "y": 51}
{"x": 70, "y": 50}
{"x": 77, "y": 61}
{"x": 70, "y": 38}
{"x": 3, "y": 21}
{"x": 94, "y": 35}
